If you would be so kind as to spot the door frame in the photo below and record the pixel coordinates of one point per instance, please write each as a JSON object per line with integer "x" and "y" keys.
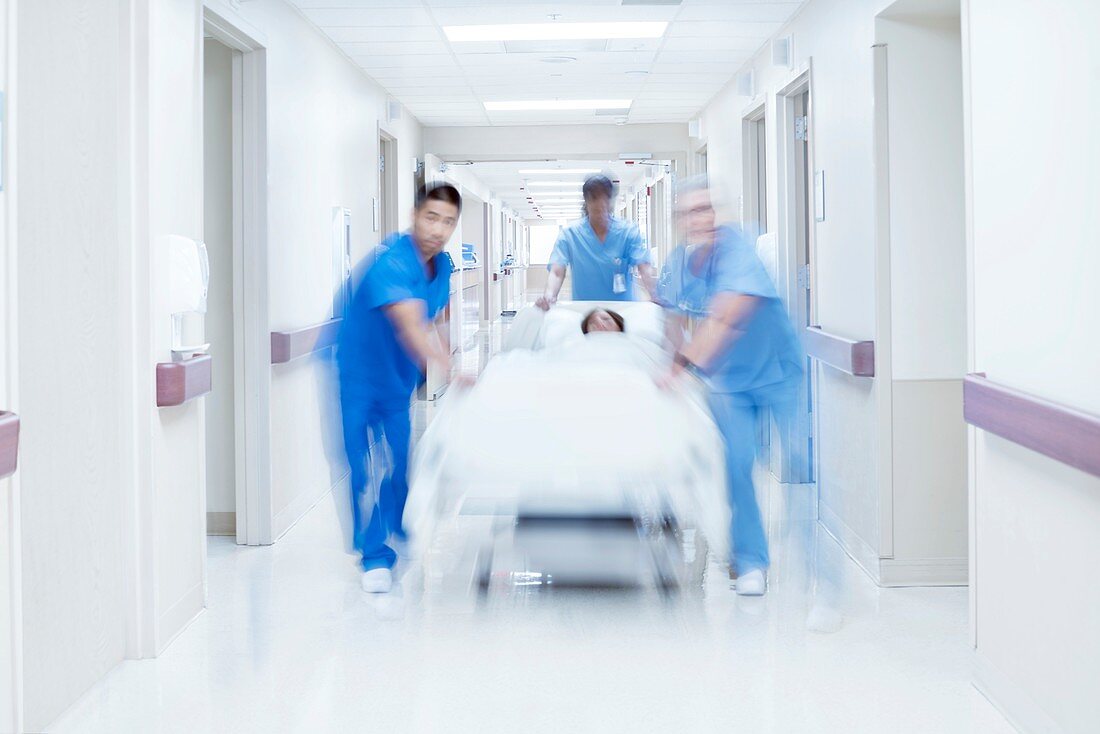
{"x": 387, "y": 183}
{"x": 751, "y": 205}
{"x": 792, "y": 253}
{"x": 251, "y": 333}
{"x": 12, "y": 704}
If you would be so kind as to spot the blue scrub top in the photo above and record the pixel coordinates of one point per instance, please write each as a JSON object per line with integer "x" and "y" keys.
{"x": 373, "y": 364}
{"x": 768, "y": 355}
{"x": 595, "y": 264}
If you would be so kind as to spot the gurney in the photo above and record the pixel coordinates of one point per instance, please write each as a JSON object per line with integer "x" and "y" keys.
{"x": 593, "y": 474}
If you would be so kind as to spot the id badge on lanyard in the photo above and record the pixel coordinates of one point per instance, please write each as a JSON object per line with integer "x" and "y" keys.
{"x": 618, "y": 282}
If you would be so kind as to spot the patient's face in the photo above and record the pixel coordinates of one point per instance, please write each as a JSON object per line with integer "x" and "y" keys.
{"x": 602, "y": 321}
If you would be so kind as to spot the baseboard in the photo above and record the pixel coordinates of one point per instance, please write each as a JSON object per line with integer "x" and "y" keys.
{"x": 221, "y": 523}
{"x": 299, "y": 506}
{"x": 1011, "y": 700}
{"x": 179, "y": 616}
{"x": 856, "y": 547}
{"x": 923, "y": 572}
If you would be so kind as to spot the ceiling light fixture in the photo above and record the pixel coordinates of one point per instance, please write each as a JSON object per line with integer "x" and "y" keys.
{"x": 557, "y": 104}
{"x": 558, "y": 59}
{"x": 524, "y": 171}
{"x": 544, "y": 184}
{"x": 555, "y": 31}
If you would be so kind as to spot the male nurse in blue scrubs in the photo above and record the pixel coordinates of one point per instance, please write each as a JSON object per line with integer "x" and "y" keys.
{"x": 385, "y": 346}
{"x": 601, "y": 250}
{"x": 742, "y": 345}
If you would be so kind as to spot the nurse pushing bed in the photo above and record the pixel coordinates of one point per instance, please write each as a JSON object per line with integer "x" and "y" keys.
{"x": 601, "y": 250}
{"x": 742, "y": 345}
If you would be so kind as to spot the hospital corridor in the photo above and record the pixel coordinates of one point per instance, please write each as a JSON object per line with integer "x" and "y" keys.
{"x": 485, "y": 366}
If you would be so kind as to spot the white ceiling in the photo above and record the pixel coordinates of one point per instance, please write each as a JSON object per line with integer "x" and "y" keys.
{"x": 401, "y": 44}
{"x": 513, "y": 188}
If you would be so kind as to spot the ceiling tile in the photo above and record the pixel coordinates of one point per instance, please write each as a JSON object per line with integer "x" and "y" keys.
{"x": 400, "y": 43}
{"x": 360, "y": 34}
{"x": 379, "y": 18}
{"x": 431, "y": 62}
{"x": 408, "y": 48}
{"x": 712, "y": 43}
{"x": 705, "y": 29}
{"x": 773, "y": 12}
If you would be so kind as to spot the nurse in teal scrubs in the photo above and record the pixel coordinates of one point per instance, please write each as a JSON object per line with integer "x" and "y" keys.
{"x": 386, "y": 343}
{"x": 602, "y": 252}
{"x": 742, "y": 345}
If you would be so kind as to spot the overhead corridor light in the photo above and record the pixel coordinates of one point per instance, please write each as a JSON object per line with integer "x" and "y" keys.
{"x": 530, "y": 105}
{"x": 556, "y": 171}
{"x": 555, "y": 31}
{"x": 544, "y": 184}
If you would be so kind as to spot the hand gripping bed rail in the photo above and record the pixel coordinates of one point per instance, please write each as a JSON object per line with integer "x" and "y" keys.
{"x": 1057, "y": 431}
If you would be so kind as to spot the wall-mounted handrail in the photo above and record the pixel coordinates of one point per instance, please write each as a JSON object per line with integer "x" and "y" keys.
{"x": 1065, "y": 434}
{"x": 178, "y": 382}
{"x": 854, "y": 357}
{"x": 289, "y": 345}
{"x": 9, "y": 443}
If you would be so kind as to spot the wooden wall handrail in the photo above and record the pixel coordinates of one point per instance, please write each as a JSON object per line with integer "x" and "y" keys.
{"x": 854, "y": 357}
{"x": 178, "y": 382}
{"x": 9, "y": 443}
{"x": 290, "y": 345}
{"x": 1065, "y": 434}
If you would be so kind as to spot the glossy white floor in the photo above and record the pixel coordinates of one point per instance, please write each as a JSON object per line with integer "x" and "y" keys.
{"x": 290, "y": 644}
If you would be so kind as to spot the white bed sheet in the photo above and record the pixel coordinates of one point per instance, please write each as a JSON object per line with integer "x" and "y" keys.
{"x": 580, "y": 427}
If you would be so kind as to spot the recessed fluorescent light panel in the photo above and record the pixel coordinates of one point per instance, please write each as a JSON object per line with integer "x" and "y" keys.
{"x": 534, "y": 184}
{"x": 557, "y": 171}
{"x": 525, "y": 105}
{"x": 554, "y": 31}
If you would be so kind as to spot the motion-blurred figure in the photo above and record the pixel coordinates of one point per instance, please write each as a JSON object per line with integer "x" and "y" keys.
{"x": 602, "y": 251}
{"x": 386, "y": 344}
{"x": 741, "y": 344}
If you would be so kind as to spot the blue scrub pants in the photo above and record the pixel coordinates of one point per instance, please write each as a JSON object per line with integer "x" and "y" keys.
{"x": 376, "y": 516}
{"x": 735, "y": 414}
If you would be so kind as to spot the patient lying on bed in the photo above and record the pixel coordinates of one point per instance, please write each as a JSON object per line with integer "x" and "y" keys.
{"x": 601, "y": 319}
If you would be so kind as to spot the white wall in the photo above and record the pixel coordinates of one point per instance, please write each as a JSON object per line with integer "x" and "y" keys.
{"x": 1034, "y": 325}
{"x": 68, "y": 351}
{"x": 927, "y": 203}
{"x": 922, "y": 343}
{"x": 323, "y": 122}
{"x": 217, "y": 225}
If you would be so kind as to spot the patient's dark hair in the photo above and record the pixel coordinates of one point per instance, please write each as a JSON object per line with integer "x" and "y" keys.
{"x": 614, "y": 317}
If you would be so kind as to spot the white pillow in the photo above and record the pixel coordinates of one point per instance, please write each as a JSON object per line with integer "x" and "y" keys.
{"x": 561, "y": 326}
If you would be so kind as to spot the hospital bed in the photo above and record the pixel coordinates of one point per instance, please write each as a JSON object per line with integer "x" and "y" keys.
{"x": 591, "y": 473}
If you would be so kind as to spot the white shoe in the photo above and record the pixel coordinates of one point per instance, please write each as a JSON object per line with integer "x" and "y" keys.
{"x": 753, "y": 583}
{"x": 377, "y": 581}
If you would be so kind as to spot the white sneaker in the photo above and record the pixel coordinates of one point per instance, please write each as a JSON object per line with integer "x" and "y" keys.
{"x": 753, "y": 583}
{"x": 377, "y": 581}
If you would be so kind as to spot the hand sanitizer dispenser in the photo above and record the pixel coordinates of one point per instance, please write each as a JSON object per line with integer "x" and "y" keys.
{"x": 188, "y": 279}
